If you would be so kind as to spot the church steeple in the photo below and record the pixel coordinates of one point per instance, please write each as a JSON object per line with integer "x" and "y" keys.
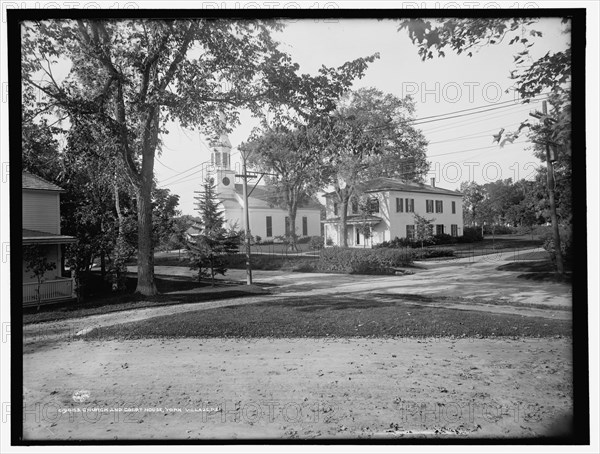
{"x": 220, "y": 156}
{"x": 220, "y": 159}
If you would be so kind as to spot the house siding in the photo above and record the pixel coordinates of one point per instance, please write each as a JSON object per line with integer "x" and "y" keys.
{"x": 41, "y": 211}
{"x": 259, "y": 210}
{"x": 399, "y": 221}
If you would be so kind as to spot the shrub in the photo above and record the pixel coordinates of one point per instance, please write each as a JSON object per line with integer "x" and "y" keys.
{"x": 498, "y": 229}
{"x": 421, "y": 254}
{"x": 566, "y": 245}
{"x": 471, "y": 235}
{"x": 329, "y": 242}
{"x": 362, "y": 261}
{"x": 444, "y": 238}
{"x": 316, "y": 242}
{"x": 395, "y": 243}
{"x": 303, "y": 240}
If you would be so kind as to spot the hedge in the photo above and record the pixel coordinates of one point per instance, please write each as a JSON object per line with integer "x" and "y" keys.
{"x": 361, "y": 261}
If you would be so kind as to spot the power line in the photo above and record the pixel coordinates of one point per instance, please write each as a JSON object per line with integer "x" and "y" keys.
{"x": 191, "y": 176}
{"x": 164, "y": 165}
{"x": 462, "y": 123}
{"x": 191, "y": 168}
{"x": 467, "y": 114}
{"x": 434, "y": 118}
{"x": 475, "y": 135}
{"x": 498, "y": 105}
{"x": 473, "y": 149}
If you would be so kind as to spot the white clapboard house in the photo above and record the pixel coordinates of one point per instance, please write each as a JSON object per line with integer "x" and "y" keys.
{"x": 41, "y": 227}
{"x": 393, "y": 204}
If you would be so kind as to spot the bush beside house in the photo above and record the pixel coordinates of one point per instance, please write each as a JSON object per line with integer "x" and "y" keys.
{"x": 360, "y": 261}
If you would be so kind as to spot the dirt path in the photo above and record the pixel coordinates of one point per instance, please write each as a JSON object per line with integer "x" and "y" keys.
{"x": 215, "y": 388}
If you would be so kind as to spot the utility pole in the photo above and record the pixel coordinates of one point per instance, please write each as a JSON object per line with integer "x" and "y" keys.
{"x": 550, "y": 158}
{"x": 245, "y": 177}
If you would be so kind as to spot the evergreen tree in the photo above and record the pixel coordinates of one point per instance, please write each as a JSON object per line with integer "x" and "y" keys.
{"x": 212, "y": 242}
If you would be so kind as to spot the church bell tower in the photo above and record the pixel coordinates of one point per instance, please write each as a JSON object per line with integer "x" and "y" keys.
{"x": 220, "y": 160}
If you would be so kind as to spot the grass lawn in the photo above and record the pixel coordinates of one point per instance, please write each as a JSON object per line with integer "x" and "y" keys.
{"x": 335, "y": 317}
{"x": 504, "y": 243}
{"x": 238, "y": 262}
{"x": 180, "y": 291}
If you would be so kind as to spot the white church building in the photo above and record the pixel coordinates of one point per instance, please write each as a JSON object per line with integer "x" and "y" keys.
{"x": 266, "y": 220}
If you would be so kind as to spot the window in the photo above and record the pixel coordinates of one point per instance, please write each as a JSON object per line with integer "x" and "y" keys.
{"x": 454, "y": 229}
{"x": 439, "y": 206}
{"x": 304, "y": 226}
{"x": 399, "y": 205}
{"x": 287, "y": 226}
{"x": 410, "y": 232}
{"x": 335, "y": 208}
{"x": 439, "y": 229}
{"x": 269, "y": 226}
{"x": 354, "y": 206}
{"x": 357, "y": 236}
{"x": 453, "y": 207}
{"x": 374, "y": 205}
{"x": 429, "y": 206}
{"x": 409, "y": 205}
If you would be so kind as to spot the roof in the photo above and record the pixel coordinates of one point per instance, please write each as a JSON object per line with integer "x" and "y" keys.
{"x": 261, "y": 193}
{"x": 390, "y": 184}
{"x": 193, "y": 230}
{"x": 31, "y": 181}
{"x": 39, "y": 237}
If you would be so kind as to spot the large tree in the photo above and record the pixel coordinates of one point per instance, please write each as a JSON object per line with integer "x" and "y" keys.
{"x": 133, "y": 76}
{"x": 369, "y": 135}
{"x": 294, "y": 174}
{"x": 473, "y": 195}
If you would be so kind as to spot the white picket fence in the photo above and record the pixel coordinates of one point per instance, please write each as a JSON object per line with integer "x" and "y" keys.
{"x": 50, "y": 291}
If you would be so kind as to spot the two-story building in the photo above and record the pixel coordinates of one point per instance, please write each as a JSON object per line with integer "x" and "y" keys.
{"x": 41, "y": 227}
{"x": 393, "y": 204}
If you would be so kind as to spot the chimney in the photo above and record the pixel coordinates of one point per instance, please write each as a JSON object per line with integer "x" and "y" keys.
{"x": 432, "y": 182}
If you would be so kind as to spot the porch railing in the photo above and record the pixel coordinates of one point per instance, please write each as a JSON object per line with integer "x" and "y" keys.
{"x": 50, "y": 291}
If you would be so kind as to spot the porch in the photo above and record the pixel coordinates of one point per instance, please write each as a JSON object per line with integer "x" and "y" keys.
{"x": 355, "y": 228}
{"x": 51, "y": 291}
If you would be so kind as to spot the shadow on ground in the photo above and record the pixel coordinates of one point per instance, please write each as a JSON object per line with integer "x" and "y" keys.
{"x": 542, "y": 271}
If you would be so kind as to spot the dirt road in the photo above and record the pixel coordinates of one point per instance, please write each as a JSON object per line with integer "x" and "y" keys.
{"x": 297, "y": 388}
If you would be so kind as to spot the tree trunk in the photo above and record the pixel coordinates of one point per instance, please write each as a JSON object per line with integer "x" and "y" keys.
{"x": 292, "y": 211}
{"x": 343, "y": 209}
{"x": 145, "y": 283}
{"x": 102, "y": 264}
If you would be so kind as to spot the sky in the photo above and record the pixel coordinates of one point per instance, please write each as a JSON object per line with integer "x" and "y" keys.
{"x": 460, "y": 149}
